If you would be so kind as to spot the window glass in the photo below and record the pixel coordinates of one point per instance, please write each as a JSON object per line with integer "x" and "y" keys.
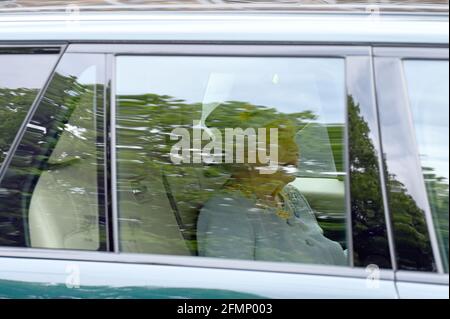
{"x": 429, "y": 99}
{"x": 52, "y": 193}
{"x": 369, "y": 229}
{"x": 239, "y": 158}
{"x": 21, "y": 77}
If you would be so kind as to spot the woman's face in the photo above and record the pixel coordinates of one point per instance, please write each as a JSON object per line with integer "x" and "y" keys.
{"x": 288, "y": 155}
{"x": 288, "y": 159}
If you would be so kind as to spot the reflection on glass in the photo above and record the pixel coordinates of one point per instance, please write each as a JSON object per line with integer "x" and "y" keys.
{"x": 52, "y": 191}
{"x": 369, "y": 231}
{"x": 369, "y": 225}
{"x": 189, "y": 180}
{"x": 21, "y": 77}
{"x": 407, "y": 201}
{"x": 428, "y": 90}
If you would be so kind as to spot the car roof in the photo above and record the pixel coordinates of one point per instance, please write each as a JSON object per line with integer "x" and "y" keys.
{"x": 317, "y": 21}
{"x": 195, "y": 5}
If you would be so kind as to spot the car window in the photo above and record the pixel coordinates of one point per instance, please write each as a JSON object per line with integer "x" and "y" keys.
{"x": 52, "y": 193}
{"x": 405, "y": 197}
{"x": 370, "y": 243}
{"x": 21, "y": 77}
{"x": 232, "y": 157}
{"x": 427, "y": 83}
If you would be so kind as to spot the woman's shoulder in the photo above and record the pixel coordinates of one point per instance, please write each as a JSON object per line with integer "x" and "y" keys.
{"x": 224, "y": 212}
{"x": 227, "y": 201}
{"x": 295, "y": 196}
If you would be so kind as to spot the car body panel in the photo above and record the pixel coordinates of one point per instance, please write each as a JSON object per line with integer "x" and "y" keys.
{"x": 53, "y": 278}
{"x": 235, "y": 27}
{"x": 408, "y": 290}
{"x": 417, "y": 285}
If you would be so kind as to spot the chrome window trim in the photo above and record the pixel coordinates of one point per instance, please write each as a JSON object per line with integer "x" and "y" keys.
{"x": 420, "y": 277}
{"x": 107, "y": 151}
{"x": 433, "y": 12}
{"x": 220, "y": 49}
{"x": 348, "y": 202}
{"x": 412, "y": 53}
{"x": 113, "y": 157}
{"x": 29, "y": 46}
{"x": 188, "y": 261}
{"x": 250, "y": 6}
{"x": 382, "y": 168}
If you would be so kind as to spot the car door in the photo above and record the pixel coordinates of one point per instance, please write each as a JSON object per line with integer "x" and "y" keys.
{"x": 121, "y": 183}
{"x": 412, "y": 93}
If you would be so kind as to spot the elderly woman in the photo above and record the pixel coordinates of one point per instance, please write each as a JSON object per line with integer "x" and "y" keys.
{"x": 262, "y": 217}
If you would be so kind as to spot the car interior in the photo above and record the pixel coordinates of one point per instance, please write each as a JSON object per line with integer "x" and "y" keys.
{"x": 158, "y": 210}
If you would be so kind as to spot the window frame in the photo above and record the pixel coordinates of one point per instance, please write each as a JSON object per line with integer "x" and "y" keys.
{"x": 102, "y": 100}
{"x": 226, "y": 50}
{"x": 202, "y": 49}
{"x": 29, "y": 49}
{"x": 399, "y": 55}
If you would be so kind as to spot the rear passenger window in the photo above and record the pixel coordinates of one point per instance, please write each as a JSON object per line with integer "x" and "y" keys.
{"x": 239, "y": 158}
{"x": 428, "y": 90}
{"x": 52, "y": 195}
{"x": 21, "y": 77}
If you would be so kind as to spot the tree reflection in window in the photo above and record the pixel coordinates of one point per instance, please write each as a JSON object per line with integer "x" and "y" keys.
{"x": 51, "y": 196}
